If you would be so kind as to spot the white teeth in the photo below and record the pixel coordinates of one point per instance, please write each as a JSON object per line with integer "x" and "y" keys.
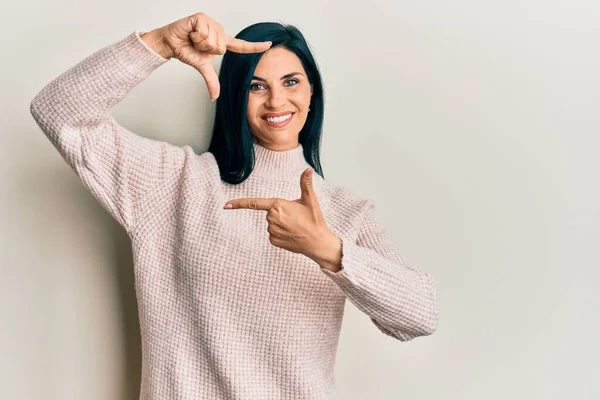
{"x": 279, "y": 119}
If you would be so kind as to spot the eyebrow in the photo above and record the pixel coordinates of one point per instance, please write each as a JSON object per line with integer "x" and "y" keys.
{"x": 282, "y": 78}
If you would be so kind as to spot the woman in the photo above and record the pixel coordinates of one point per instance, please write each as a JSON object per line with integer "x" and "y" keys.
{"x": 241, "y": 303}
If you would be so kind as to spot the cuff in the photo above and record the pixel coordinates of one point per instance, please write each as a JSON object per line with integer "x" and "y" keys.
{"x": 363, "y": 270}
{"x": 345, "y": 276}
{"x": 135, "y": 55}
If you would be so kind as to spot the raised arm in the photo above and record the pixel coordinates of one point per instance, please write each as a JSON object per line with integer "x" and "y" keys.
{"x": 74, "y": 111}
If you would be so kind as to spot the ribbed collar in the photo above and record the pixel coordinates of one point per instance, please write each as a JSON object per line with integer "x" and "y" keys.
{"x": 279, "y": 164}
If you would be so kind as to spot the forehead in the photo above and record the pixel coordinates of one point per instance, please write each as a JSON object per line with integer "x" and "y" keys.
{"x": 277, "y": 62}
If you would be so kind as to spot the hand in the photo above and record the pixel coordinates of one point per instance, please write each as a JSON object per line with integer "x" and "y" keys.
{"x": 196, "y": 39}
{"x": 295, "y": 225}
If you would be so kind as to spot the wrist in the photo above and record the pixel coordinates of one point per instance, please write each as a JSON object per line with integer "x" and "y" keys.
{"x": 155, "y": 40}
{"x": 330, "y": 253}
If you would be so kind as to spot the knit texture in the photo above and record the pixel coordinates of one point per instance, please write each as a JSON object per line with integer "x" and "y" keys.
{"x": 224, "y": 314}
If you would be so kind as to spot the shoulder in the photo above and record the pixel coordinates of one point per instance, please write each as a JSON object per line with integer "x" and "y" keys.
{"x": 342, "y": 200}
{"x": 344, "y": 210}
{"x": 206, "y": 163}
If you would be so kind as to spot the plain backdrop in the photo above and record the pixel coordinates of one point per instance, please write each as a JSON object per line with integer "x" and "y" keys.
{"x": 472, "y": 125}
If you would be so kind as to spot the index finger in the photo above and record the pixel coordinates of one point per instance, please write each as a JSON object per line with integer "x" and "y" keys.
{"x": 243, "y": 46}
{"x": 252, "y": 203}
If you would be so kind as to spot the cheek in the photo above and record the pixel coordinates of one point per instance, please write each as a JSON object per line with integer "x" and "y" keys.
{"x": 302, "y": 97}
{"x": 252, "y": 110}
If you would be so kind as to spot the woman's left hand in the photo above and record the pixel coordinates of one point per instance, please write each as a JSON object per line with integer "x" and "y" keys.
{"x": 295, "y": 225}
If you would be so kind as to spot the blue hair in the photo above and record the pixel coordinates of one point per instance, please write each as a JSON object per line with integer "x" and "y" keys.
{"x": 232, "y": 141}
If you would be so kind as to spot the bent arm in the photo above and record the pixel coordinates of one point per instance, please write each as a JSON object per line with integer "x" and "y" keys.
{"x": 74, "y": 111}
{"x": 401, "y": 300}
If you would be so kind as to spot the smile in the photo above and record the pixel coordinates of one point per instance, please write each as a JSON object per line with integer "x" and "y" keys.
{"x": 279, "y": 122}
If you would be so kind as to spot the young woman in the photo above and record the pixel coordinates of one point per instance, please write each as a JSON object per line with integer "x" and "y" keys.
{"x": 245, "y": 302}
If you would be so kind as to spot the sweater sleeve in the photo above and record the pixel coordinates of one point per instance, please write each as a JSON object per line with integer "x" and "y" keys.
{"x": 74, "y": 111}
{"x": 401, "y": 300}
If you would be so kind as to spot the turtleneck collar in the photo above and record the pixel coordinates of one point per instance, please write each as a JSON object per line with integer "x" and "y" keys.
{"x": 274, "y": 164}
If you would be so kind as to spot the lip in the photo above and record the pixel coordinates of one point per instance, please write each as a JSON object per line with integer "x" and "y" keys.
{"x": 280, "y": 124}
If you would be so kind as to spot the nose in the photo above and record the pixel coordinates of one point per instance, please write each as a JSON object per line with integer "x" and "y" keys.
{"x": 276, "y": 98}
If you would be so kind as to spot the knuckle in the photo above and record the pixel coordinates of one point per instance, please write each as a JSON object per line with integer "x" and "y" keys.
{"x": 199, "y": 35}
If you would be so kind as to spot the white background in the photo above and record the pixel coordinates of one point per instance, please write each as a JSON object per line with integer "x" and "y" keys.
{"x": 472, "y": 125}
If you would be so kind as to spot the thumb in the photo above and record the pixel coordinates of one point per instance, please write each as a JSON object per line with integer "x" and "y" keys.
{"x": 211, "y": 78}
{"x": 306, "y": 185}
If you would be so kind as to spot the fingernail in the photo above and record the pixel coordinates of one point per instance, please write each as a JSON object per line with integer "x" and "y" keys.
{"x": 228, "y": 205}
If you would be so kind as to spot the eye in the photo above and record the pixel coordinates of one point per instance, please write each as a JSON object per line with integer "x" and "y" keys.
{"x": 253, "y": 86}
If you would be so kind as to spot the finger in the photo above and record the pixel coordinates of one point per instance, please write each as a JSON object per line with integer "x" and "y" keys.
{"x": 308, "y": 195}
{"x": 211, "y": 39}
{"x": 212, "y": 80}
{"x": 221, "y": 46}
{"x": 243, "y": 46}
{"x": 252, "y": 203}
{"x": 200, "y": 36}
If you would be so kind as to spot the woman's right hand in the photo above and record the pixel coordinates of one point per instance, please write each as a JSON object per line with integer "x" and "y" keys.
{"x": 196, "y": 39}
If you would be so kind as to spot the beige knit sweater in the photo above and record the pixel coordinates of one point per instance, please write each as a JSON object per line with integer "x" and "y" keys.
{"x": 224, "y": 314}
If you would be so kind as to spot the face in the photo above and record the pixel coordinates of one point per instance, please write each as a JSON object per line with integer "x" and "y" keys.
{"x": 279, "y": 87}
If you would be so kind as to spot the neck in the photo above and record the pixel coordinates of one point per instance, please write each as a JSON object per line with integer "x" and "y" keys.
{"x": 273, "y": 164}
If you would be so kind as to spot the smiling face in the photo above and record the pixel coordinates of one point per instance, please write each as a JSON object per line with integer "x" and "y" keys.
{"x": 279, "y": 88}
